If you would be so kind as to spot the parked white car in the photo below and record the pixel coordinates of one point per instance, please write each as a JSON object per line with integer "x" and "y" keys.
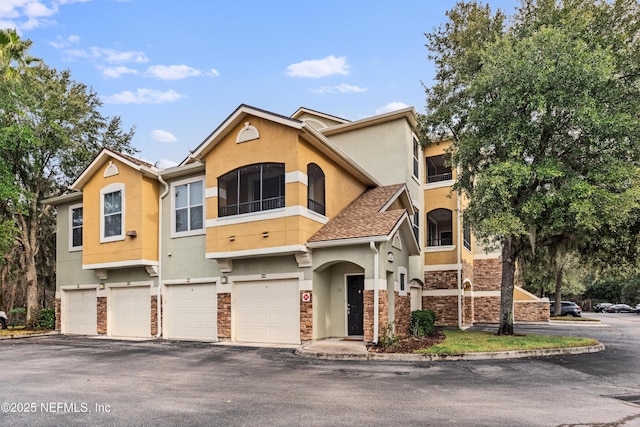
{"x": 3, "y": 320}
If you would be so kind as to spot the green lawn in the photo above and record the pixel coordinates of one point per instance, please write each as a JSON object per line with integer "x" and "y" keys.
{"x": 459, "y": 342}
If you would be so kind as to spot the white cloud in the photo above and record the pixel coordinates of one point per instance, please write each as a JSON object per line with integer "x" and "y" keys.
{"x": 25, "y": 14}
{"x": 343, "y": 88}
{"x": 143, "y": 96}
{"x": 165, "y": 164}
{"x": 316, "y": 68}
{"x": 163, "y": 136}
{"x": 116, "y": 56}
{"x": 171, "y": 72}
{"x": 213, "y": 73}
{"x": 61, "y": 43}
{"x": 392, "y": 106}
{"x": 117, "y": 72}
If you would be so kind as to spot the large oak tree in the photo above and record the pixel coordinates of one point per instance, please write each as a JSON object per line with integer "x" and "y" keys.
{"x": 543, "y": 111}
{"x": 50, "y": 129}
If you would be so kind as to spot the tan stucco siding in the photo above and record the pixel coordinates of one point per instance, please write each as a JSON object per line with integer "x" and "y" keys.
{"x": 140, "y": 214}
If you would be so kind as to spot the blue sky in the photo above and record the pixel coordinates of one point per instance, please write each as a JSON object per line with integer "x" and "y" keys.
{"x": 176, "y": 69}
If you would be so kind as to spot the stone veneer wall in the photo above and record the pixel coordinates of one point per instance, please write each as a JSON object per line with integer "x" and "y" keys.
{"x": 487, "y": 309}
{"x": 442, "y": 279}
{"x": 467, "y": 311}
{"x": 383, "y": 313}
{"x": 154, "y": 315}
{"x": 531, "y": 311}
{"x": 58, "y": 310}
{"x": 402, "y": 311}
{"x": 224, "y": 315}
{"x": 445, "y": 307}
{"x": 306, "y": 317}
{"x": 487, "y": 274}
{"x": 102, "y": 315}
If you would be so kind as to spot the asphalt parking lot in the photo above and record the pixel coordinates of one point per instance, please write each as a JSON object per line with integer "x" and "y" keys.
{"x": 58, "y": 380}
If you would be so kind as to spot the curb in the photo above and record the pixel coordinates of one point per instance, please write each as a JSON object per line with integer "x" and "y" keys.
{"x": 498, "y": 355}
{"x": 35, "y": 334}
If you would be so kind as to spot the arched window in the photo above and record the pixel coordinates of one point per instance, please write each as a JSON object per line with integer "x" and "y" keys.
{"x": 439, "y": 226}
{"x": 251, "y": 188}
{"x": 315, "y": 189}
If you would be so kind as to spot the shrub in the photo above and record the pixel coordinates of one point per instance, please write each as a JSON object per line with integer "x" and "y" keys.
{"x": 17, "y": 317}
{"x": 47, "y": 319}
{"x": 423, "y": 322}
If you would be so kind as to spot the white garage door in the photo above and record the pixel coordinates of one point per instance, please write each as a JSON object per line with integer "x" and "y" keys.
{"x": 130, "y": 312}
{"x": 190, "y": 312}
{"x": 79, "y": 312}
{"x": 267, "y": 311}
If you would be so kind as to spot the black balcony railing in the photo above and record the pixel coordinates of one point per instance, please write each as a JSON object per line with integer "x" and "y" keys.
{"x": 316, "y": 207}
{"x": 253, "y": 206}
{"x": 440, "y": 177}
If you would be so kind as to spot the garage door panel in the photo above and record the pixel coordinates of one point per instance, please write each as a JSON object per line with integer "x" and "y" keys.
{"x": 79, "y": 314}
{"x": 267, "y": 311}
{"x": 130, "y": 312}
{"x": 191, "y": 312}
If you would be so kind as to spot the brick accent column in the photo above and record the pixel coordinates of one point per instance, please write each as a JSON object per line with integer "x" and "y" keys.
{"x": 367, "y": 319}
{"x": 58, "y": 310}
{"x": 154, "y": 315}
{"x": 224, "y": 315}
{"x": 102, "y": 315}
{"x": 383, "y": 312}
{"x": 306, "y": 317}
{"x": 402, "y": 314}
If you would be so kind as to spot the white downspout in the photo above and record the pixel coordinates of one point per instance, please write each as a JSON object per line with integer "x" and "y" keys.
{"x": 376, "y": 286}
{"x": 160, "y": 241}
{"x": 459, "y": 253}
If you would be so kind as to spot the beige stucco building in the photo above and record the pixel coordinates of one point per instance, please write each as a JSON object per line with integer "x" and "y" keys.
{"x": 278, "y": 229}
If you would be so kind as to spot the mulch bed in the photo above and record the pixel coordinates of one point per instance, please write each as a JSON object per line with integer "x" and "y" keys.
{"x": 410, "y": 344}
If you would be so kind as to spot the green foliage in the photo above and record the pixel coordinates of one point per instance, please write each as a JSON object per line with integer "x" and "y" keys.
{"x": 621, "y": 288}
{"x": 423, "y": 322}
{"x": 388, "y": 339}
{"x": 17, "y": 317}
{"x": 543, "y": 116}
{"x": 47, "y": 319}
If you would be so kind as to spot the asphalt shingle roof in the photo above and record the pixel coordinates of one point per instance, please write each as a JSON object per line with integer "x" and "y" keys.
{"x": 362, "y": 217}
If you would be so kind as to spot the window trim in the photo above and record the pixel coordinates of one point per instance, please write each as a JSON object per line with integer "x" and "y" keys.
{"x": 176, "y": 234}
{"x": 403, "y": 273}
{"x": 415, "y": 167}
{"x": 112, "y": 188}
{"x": 71, "y": 209}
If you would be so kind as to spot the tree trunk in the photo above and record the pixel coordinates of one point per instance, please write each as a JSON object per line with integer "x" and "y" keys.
{"x": 29, "y": 225}
{"x": 557, "y": 311}
{"x": 506, "y": 287}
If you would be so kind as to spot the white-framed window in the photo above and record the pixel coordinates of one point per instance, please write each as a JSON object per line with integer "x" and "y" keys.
{"x": 416, "y": 155}
{"x": 402, "y": 280}
{"x": 187, "y": 207}
{"x": 75, "y": 227}
{"x": 112, "y": 209}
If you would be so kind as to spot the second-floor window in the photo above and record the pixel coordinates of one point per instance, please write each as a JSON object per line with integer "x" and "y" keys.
{"x": 315, "y": 189}
{"x": 75, "y": 217}
{"x": 437, "y": 171}
{"x": 250, "y": 189}
{"x": 112, "y": 209}
{"x": 188, "y": 206}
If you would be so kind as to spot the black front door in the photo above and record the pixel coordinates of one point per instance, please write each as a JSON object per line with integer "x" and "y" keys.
{"x": 355, "y": 305}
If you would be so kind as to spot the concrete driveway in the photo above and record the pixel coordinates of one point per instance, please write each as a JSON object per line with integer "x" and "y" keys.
{"x": 57, "y": 380}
